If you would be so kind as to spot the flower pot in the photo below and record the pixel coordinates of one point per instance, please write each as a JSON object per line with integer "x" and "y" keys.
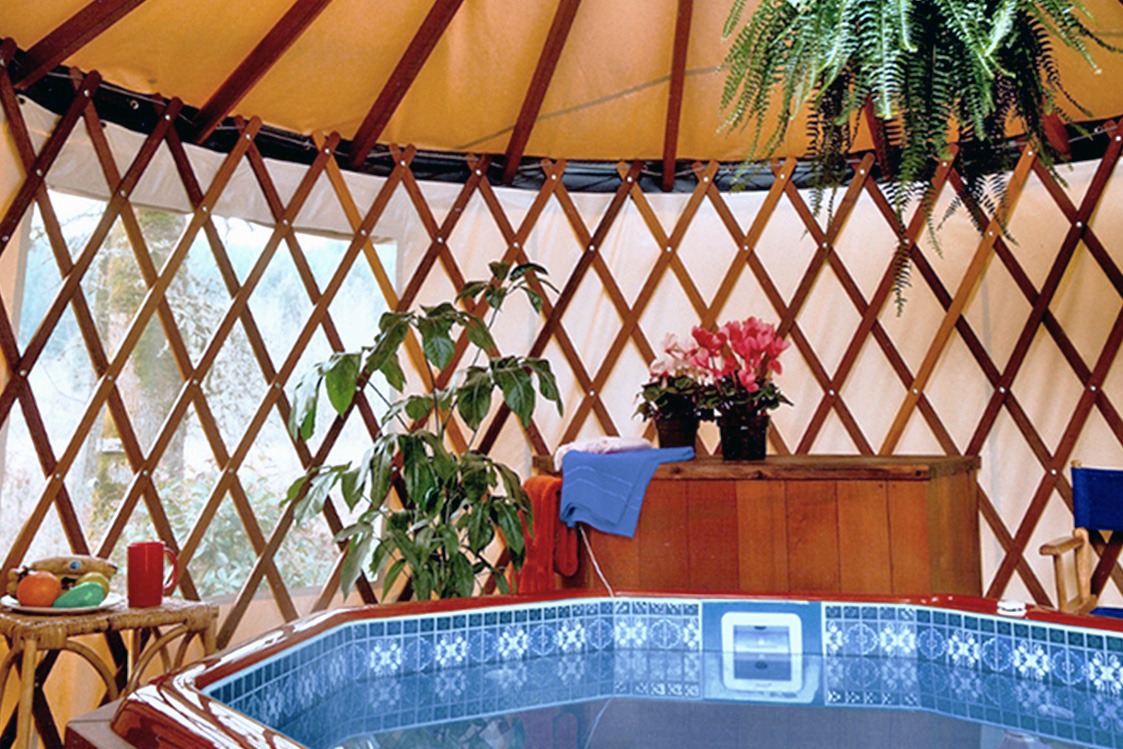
{"x": 677, "y": 431}
{"x": 744, "y": 435}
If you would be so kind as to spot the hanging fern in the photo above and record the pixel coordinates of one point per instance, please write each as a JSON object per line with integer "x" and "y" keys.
{"x": 934, "y": 71}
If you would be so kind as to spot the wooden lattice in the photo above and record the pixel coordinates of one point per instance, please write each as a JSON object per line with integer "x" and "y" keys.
{"x": 839, "y": 403}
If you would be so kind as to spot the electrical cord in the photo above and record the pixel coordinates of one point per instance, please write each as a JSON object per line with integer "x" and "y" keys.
{"x": 593, "y": 559}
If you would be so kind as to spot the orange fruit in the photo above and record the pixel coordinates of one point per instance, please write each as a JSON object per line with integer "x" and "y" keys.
{"x": 38, "y": 588}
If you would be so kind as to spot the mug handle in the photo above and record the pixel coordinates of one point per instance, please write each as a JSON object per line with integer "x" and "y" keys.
{"x": 172, "y": 573}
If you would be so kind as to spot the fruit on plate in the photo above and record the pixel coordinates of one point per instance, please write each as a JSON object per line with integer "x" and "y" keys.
{"x": 69, "y": 570}
{"x": 38, "y": 588}
{"x": 81, "y": 595}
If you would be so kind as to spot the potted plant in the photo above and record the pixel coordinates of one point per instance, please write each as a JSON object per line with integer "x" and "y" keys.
{"x": 454, "y": 504}
{"x": 921, "y": 74}
{"x": 741, "y": 356}
{"x": 672, "y": 398}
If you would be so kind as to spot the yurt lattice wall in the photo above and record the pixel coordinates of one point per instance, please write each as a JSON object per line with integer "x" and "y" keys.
{"x": 161, "y": 300}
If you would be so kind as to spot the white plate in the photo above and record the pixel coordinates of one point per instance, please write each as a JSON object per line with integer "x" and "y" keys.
{"x": 10, "y": 602}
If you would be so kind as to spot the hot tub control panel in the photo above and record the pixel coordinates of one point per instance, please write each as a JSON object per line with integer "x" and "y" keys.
{"x": 762, "y": 652}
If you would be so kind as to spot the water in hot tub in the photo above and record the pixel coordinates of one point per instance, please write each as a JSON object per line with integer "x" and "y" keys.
{"x": 647, "y": 699}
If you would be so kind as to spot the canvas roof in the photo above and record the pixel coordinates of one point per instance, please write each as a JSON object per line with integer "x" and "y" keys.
{"x": 327, "y": 62}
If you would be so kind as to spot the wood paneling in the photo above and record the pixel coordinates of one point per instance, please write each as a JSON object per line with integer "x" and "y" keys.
{"x": 909, "y": 537}
{"x": 863, "y": 514}
{"x": 661, "y": 541}
{"x": 802, "y": 524}
{"x": 711, "y": 510}
{"x": 762, "y": 536}
{"x": 813, "y": 531}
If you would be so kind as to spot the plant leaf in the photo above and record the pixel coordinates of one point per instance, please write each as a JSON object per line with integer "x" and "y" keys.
{"x": 305, "y": 398}
{"x": 340, "y": 380}
{"x": 313, "y": 501}
{"x": 393, "y": 373}
{"x": 478, "y": 333}
{"x": 535, "y": 299}
{"x": 547, "y": 384}
{"x": 417, "y": 407}
{"x": 294, "y": 488}
{"x": 474, "y": 396}
{"x": 471, "y": 290}
{"x": 518, "y": 391}
{"x": 393, "y": 327}
{"x": 358, "y": 554}
{"x": 436, "y": 342}
{"x": 495, "y": 296}
{"x": 463, "y": 578}
{"x": 392, "y": 575}
{"x": 417, "y": 473}
{"x": 499, "y": 270}
{"x": 525, "y": 268}
{"x": 381, "y": 467}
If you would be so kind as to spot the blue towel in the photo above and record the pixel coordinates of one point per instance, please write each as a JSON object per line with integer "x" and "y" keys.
{"x": 606, "y": 491}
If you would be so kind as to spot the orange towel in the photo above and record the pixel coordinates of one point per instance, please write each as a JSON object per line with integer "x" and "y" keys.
{"x": 553, "y": 545}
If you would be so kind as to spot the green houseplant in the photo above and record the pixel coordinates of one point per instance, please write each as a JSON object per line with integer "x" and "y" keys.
{"x": 453, "y": 503}
{"x": 672, "y": 397}
{"x": 933, "y": 72}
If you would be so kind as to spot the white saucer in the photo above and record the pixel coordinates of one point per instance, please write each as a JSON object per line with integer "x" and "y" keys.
{"x": 10, "y": 602}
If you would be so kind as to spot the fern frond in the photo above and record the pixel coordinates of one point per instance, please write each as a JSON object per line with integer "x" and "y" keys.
{"x": 934, "y": 71}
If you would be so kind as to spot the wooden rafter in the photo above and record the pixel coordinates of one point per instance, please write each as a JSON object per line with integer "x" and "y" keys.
{"x": 286, "y": 31}
{"x": 678, "y": 84}
{"x": 539, "y": 84}
{"x": 37, "y": 171}
{"x": 1057, "y": 135}
{"x": 880, "y": 138}
{"x": 405, "y": 72}
{"x": 73, "y": 34}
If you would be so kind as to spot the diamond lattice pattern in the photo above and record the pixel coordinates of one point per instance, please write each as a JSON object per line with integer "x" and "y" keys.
{"x": 161, "y": 300}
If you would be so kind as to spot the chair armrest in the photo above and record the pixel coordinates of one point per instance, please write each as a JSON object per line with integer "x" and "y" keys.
{"x": 1060, "y": 545}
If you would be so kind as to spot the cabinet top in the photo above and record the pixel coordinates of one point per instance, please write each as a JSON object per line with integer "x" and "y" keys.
{"x": 813, "y": 467}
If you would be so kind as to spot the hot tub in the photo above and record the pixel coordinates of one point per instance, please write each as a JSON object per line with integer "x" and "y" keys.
{"x": 578, "y": 671}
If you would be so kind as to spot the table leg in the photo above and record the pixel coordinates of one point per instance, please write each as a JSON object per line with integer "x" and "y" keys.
{"x": 27, "y": 693}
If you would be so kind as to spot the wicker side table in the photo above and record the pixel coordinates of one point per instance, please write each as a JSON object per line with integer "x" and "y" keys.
{"x": 34, "y": 639}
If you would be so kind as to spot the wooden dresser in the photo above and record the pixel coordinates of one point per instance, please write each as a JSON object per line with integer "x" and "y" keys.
{"x": 800, "y": 524}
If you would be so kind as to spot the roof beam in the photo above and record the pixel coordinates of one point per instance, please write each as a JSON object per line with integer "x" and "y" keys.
{"x": 426, "y": 38}
{"x": 880, "y": 139}
{"x": 674, "y": 99}
{"x": 1056, "y": 134}
{"x": 286, "y": 31}
{"x": 532, "y": 104}
{"x": 70, "y": 36}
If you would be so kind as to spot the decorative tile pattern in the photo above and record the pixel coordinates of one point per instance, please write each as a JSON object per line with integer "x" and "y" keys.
{"x": 364, "y": 677}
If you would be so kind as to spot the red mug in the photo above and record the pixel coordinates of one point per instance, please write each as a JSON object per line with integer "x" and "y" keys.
{"x": 148, "y": 581}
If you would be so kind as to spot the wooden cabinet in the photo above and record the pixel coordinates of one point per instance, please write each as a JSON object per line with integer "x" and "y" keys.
{"x": 800, "y": 524}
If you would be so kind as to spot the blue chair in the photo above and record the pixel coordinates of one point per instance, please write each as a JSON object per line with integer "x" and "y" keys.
{"x": 1097, "y": 504}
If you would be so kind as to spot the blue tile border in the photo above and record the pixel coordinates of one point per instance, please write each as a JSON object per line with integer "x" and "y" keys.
{"x": 1055, "y": 680}
{"x": 1054, "y": 654}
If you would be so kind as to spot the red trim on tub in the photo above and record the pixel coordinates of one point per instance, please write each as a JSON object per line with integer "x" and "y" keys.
{"x": 173, "y": 712}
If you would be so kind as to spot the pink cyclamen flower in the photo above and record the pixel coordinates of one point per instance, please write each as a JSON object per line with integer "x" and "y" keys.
{"x": 661, "y": 367}
{"x": 747, "y": 381}
{"x": 712, "y": 342}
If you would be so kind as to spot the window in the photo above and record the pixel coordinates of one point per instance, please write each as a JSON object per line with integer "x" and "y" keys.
{"x": 219, "y": 521}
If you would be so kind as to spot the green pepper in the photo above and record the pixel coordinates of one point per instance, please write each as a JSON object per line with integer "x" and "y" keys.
{"x": 81, "y": 596}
